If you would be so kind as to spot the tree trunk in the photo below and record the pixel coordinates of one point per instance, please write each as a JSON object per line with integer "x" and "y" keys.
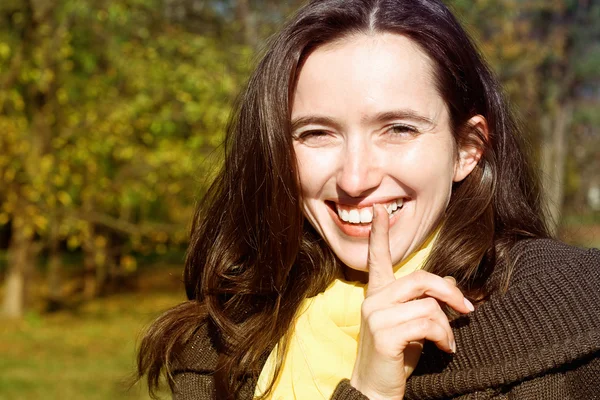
{"x": 20, "y": 264}
{"x": 55, "y": 300}
{"x": 554, "y": 155}
{"x": 90, "y": 288}
{"x": 95, "y": 265}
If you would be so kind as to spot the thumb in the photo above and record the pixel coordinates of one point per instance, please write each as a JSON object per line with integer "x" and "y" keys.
{"x": 379, "y": 260}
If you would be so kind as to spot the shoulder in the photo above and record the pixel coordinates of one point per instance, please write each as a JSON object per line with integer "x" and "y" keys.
{"x": 547, "y": 322}
{"x": 198, "y": 354}
{"x": 553, "y": 297}
{"x": 193, "y": 366}
{"x": 540, "y": 257}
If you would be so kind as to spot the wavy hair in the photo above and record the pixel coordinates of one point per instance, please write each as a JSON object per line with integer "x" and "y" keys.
{"x": 253, "y": 258}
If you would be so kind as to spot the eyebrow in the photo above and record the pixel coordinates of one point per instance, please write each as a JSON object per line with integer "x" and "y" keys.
{"x": 316, "y": 120}
{"x": 381, "y": 117}
{"x": 406, "y": 114}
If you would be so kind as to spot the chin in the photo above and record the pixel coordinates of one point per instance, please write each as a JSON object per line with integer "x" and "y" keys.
{"x": 357, "y": 266}
{"x": 354, "y": 256}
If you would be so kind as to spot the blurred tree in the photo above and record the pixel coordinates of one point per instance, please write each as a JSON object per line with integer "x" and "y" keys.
{"x": 107, "y": 111}
{"x": 241, "y": 21}
{"x": 109, "y": 108}
{"x": 574, "y": 30}
{"x": 547, "y": 55}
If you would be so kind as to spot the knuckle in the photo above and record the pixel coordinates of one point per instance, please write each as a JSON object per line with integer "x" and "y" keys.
{"x": 452, "y": 288}
{"x": 423, "y": 325}
{"x": 419, "y": 274}
{"x": 367, "y": 308}
{"x": 373, "y": 321}
{"x": 432, "y": 307}
{"x": 420, "y": 278}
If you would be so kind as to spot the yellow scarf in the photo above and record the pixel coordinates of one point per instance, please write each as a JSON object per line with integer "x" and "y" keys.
{"x": 323, "y": 346}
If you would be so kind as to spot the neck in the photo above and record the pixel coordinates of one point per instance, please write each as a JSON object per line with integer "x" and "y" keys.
{"x": 355, "y": 275}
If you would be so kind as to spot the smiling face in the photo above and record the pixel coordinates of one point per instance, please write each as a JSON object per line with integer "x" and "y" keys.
{"x": 370, "y": 127}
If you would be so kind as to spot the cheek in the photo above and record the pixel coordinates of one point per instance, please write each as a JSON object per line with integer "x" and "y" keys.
{"x": 424, "y": 167}
{"x": 314, "y": 168}
{"x": 304, "y": 171}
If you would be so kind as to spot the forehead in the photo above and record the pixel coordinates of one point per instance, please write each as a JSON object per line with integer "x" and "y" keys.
{"x": 367, "y": 73}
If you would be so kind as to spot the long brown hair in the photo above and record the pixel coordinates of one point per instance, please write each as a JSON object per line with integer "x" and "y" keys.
{"x": 252, "y": 257}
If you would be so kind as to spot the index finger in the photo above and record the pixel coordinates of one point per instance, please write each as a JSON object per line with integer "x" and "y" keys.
{"x": 379, "y": 262}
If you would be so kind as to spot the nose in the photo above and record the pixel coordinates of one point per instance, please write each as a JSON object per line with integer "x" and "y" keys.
{"x": 359, "y": 172}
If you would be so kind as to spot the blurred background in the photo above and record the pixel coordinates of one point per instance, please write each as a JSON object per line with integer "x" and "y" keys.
{"x": 111, "y": 116}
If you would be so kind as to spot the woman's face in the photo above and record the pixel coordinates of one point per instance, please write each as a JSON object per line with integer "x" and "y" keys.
{"x": 370, "y": 127}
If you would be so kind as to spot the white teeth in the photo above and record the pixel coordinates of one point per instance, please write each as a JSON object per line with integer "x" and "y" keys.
{"x": 366, "y": 215}
{"x": 354, "y": 216}
{"x": 345, "y": 215}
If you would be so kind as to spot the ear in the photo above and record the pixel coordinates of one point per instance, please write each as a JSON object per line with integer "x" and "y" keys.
{"x": 471, "y": 149}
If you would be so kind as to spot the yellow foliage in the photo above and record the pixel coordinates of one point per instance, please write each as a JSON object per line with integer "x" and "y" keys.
{"x": 50, "y": 201}
{"x": 23, "y": 147}
{"x": 99, "y": 258}
{"x": 28, "y": 231}
{"x": 58, "y": 180}
{"x": 161, "y": 248}
{"x": 161, "y": 237}
{"x": 73, "y": 242}
{"x": 4, "y": 50}
{"x": 174, "y": 188}
{"x": 64, "y": 198}
{"x": 129, "y": 263}
{"x": 62, "y": 96}
{"x": 31, "y": 194}
{"x": 9, "y": 174}
{"x": 46, "y": 162}
{"x": 76, "y": 179}
{"x": 41, "y": 222}
{"x": 100, "y": 241}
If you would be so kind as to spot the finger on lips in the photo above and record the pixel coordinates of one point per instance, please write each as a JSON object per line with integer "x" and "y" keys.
{"x": 379, "y": 262}
{"x": 406, "y": 309}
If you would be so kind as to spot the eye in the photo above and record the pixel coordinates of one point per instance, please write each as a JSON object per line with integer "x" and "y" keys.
{"x": 314, "y": 137}
{"x": 402, "y": 131}
{"x": 308, "y": 134}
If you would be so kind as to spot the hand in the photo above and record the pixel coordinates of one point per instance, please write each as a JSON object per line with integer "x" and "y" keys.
{"x": 397, "y": 315}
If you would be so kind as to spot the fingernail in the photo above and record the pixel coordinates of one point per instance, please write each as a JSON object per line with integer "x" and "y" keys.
{"x": 469, "y": 305}
{"x": 374, "y": 211}
{"x": 453, "y": 346}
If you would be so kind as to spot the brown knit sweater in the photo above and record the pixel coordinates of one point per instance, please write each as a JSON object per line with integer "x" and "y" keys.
{"x": 539, "y": 340}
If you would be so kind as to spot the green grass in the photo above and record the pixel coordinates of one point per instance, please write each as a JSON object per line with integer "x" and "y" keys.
{"x": 84, "y": 354}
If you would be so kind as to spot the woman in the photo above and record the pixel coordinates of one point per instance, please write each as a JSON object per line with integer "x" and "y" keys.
{"x": 372, "y": 154}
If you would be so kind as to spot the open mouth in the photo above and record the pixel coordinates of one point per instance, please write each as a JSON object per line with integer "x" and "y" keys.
{"x": 364, "y": 215}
